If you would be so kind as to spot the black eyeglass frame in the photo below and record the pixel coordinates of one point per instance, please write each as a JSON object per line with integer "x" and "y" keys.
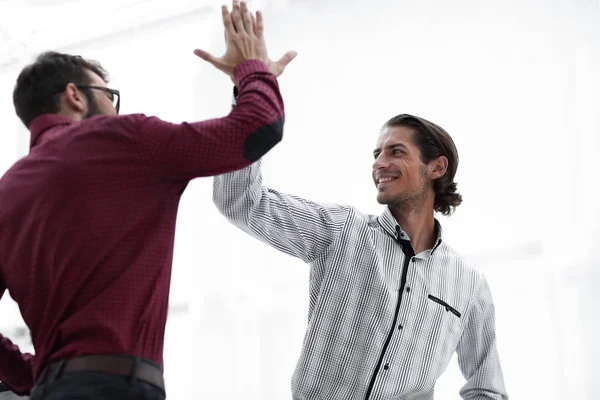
{"x": 114, "y": 92}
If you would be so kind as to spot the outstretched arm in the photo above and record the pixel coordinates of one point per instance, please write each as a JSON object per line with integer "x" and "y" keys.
{"x": 291, "y": 224}
{"x": 189, "y": 150}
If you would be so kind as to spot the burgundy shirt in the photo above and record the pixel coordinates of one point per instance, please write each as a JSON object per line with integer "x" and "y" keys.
{"x": 87, "y": 222}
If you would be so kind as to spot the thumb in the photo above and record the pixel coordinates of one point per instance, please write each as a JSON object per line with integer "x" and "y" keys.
{"x": 216, "y": 62}
{"x": 205, "y": 55}
{"x": 286, "y": 59}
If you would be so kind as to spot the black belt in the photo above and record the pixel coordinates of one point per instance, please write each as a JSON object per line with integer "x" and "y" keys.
{"x": 135, "y": 368}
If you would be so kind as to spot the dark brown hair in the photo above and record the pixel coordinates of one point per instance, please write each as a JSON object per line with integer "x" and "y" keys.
{"x": 39, "y": 84}
{"x": 433, "y": 141}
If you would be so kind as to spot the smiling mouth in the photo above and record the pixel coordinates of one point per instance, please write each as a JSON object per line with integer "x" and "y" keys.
{"x": 385, "y": 181}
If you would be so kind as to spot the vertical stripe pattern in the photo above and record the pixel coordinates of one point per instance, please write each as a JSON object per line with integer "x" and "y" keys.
{"x": 368, "y": 335}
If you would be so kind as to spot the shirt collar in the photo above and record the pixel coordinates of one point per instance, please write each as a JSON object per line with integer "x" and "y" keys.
{"x": 391, "y": 226}
{"x": 438, "y": 230}
{"x": 44, "y": 122}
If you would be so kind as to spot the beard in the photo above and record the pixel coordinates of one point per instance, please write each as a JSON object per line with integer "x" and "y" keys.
{"x": 413, "y": 201}
{"x": 93, "y": 108}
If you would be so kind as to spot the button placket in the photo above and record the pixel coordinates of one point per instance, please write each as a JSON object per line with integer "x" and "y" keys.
{"x": 407, "y": 289}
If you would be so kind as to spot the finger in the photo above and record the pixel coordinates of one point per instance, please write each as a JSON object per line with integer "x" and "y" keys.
{"x": 225, "y": 34}
{"x": 236, "y": 16}
{"x": 286, "y": 59}
{"x": 259, "y": 24}
{"x": 246, "y": 18}
{"x": 227, "y": 23}
{"x": 254, "y": 24}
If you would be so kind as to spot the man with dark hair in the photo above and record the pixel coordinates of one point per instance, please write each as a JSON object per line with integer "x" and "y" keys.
{"x": 41, "y": 86}
{"x": 87, "y": 219}
{"x": 390, "y": 301}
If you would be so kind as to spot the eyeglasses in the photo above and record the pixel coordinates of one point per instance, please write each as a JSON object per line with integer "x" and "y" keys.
{"x": 114, "y": 94}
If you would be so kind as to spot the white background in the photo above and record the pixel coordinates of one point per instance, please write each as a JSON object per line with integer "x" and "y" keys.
{"x": 516, "y": 85}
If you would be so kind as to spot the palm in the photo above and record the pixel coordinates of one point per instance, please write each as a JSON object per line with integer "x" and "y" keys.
{"x": 275, "y": 67}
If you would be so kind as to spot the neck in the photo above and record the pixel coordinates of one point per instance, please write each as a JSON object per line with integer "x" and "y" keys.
{"x": 75, "y": 116}
{"x": 418, "y": 224}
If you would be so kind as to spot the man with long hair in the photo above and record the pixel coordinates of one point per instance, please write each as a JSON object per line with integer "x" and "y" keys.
{"x": 390, "y": 300}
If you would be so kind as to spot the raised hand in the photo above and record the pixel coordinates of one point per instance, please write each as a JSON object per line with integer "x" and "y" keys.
{"x": 276, "y": 67}
{"x": 243, "y": 38}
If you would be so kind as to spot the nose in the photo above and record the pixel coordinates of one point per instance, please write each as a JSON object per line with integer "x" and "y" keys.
{"x": 380, "y": 162}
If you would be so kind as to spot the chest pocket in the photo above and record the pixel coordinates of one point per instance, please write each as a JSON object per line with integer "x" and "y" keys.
{"x": 435, "y": 332}
{"x": 447, "y": 306}
{"x": 448, "y": 317}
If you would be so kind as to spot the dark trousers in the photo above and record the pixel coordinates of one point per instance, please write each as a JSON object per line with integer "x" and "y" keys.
{"x": 95, "y": 386}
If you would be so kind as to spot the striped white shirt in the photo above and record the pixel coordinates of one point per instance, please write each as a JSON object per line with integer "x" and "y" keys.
{"x": 382, "y": 324}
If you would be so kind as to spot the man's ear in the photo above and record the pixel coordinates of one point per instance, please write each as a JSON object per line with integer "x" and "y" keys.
{"x": 74, "y": 99}
{"x": 438, "y": 167}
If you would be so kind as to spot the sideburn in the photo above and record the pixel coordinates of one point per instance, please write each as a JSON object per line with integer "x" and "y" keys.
{"x": 93, "y": 108}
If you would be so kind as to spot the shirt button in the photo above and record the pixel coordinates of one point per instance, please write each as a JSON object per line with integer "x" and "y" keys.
{"x": 386, "y": 367}
{"x": 408, "y": 289}
{"x": 400, "y": 327}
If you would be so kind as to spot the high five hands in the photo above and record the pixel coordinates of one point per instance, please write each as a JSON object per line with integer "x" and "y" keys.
{"x": 244, "y": 40}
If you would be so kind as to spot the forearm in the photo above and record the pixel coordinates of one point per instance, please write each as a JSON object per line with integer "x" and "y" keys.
{"x": 238, "y": 194}
{"x": 259, "y": 109}
{"x": 16, "y": 368}
{"x": 211, "y": 147}
{"x": 291, "y": 224}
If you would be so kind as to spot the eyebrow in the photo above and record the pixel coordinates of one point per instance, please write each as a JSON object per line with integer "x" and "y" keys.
{"x": 391, "y": 146}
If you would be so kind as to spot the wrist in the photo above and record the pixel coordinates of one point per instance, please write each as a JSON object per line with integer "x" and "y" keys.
{"x": 246, "y": 68}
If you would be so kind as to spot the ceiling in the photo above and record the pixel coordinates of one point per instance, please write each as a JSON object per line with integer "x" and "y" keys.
{"x": 31, "y": 26}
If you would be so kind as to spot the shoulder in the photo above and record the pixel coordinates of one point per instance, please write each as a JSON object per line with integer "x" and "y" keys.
{"x": 140, "y": 128}
{"x": 469, "y": 283}
{"x": 127, "y": 122}
{"x": 462, "y": 268}
{"x": 363, "y": 221}
{"x": 340, "y": 213}
{"x": 354, "y": 215}
{"x": 343, "y": 216}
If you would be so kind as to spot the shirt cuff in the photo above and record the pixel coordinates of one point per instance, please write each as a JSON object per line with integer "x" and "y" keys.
{"x": 245, "y": 68}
